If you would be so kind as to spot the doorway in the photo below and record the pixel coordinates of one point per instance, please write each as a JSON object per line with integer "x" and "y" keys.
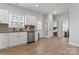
{"x": 66, "y": 28}
{"x": 55, "y": 28}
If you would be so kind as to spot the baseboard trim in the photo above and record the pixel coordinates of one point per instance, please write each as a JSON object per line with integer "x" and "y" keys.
{"x": 74, "y": 44}
{"x": 44, "y": 37}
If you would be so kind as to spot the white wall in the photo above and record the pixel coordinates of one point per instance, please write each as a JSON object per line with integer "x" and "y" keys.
{"x": 60, "y": 18}
{"x": 48, "y": 25}
{"x": 45, "y": 25}
{"x": 40, "y": 18}
{"x": 74, "y": 25}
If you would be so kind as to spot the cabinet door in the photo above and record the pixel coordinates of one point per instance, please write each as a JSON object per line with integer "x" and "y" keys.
{"x": 13, "y": 39}
{"x": 17, "y": 39}
{"x": 21, "y": 38}
{"x": 30, "y": 20}
{"x": 24, "y": 37}
{"x": 3, "y": 16}
{"x": 3, "y": 40}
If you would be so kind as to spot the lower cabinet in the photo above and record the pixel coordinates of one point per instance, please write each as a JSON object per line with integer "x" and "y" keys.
{"x": 13, "y": 39}
{"x": 17, "y": 39}
{"x": 4, "y": 40}
{"x": 22, "y": 38}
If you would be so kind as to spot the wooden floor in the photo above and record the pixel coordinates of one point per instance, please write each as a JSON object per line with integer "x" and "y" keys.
{"x": 52, "y": 46}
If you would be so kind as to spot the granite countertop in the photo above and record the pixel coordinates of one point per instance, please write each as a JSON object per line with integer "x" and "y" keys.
{"x": 17, "y": 31}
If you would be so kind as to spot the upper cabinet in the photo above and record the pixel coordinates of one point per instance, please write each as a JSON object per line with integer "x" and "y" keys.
{"x": 3, "y": 16}
{"x": 30, "y": 20}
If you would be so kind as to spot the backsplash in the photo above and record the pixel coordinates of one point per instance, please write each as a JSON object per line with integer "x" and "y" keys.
{"x": 3, "y": 27}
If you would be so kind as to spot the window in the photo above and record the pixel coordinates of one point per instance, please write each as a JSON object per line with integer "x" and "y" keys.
{"x": 16, "y": 21}
{"x": 39, "y": 25}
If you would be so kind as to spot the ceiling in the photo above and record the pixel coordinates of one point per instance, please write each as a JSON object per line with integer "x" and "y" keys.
{"x": 45, "y": 8}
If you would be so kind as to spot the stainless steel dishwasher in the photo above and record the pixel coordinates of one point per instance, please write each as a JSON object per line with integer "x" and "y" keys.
{"x": 30, "y": 36}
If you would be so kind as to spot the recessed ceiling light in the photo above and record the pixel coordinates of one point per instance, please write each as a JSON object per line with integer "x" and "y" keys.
{"x": 36, "y": 5}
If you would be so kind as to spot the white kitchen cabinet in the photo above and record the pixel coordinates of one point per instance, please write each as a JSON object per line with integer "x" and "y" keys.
{"x": 13, "y": 39}
{"x": 17, "y": 38}
{"x": 3, "y": 40}
{"x": 3, "y": 16}
{"x": 30, "y": 20}
{"x": 23, "y": 37}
